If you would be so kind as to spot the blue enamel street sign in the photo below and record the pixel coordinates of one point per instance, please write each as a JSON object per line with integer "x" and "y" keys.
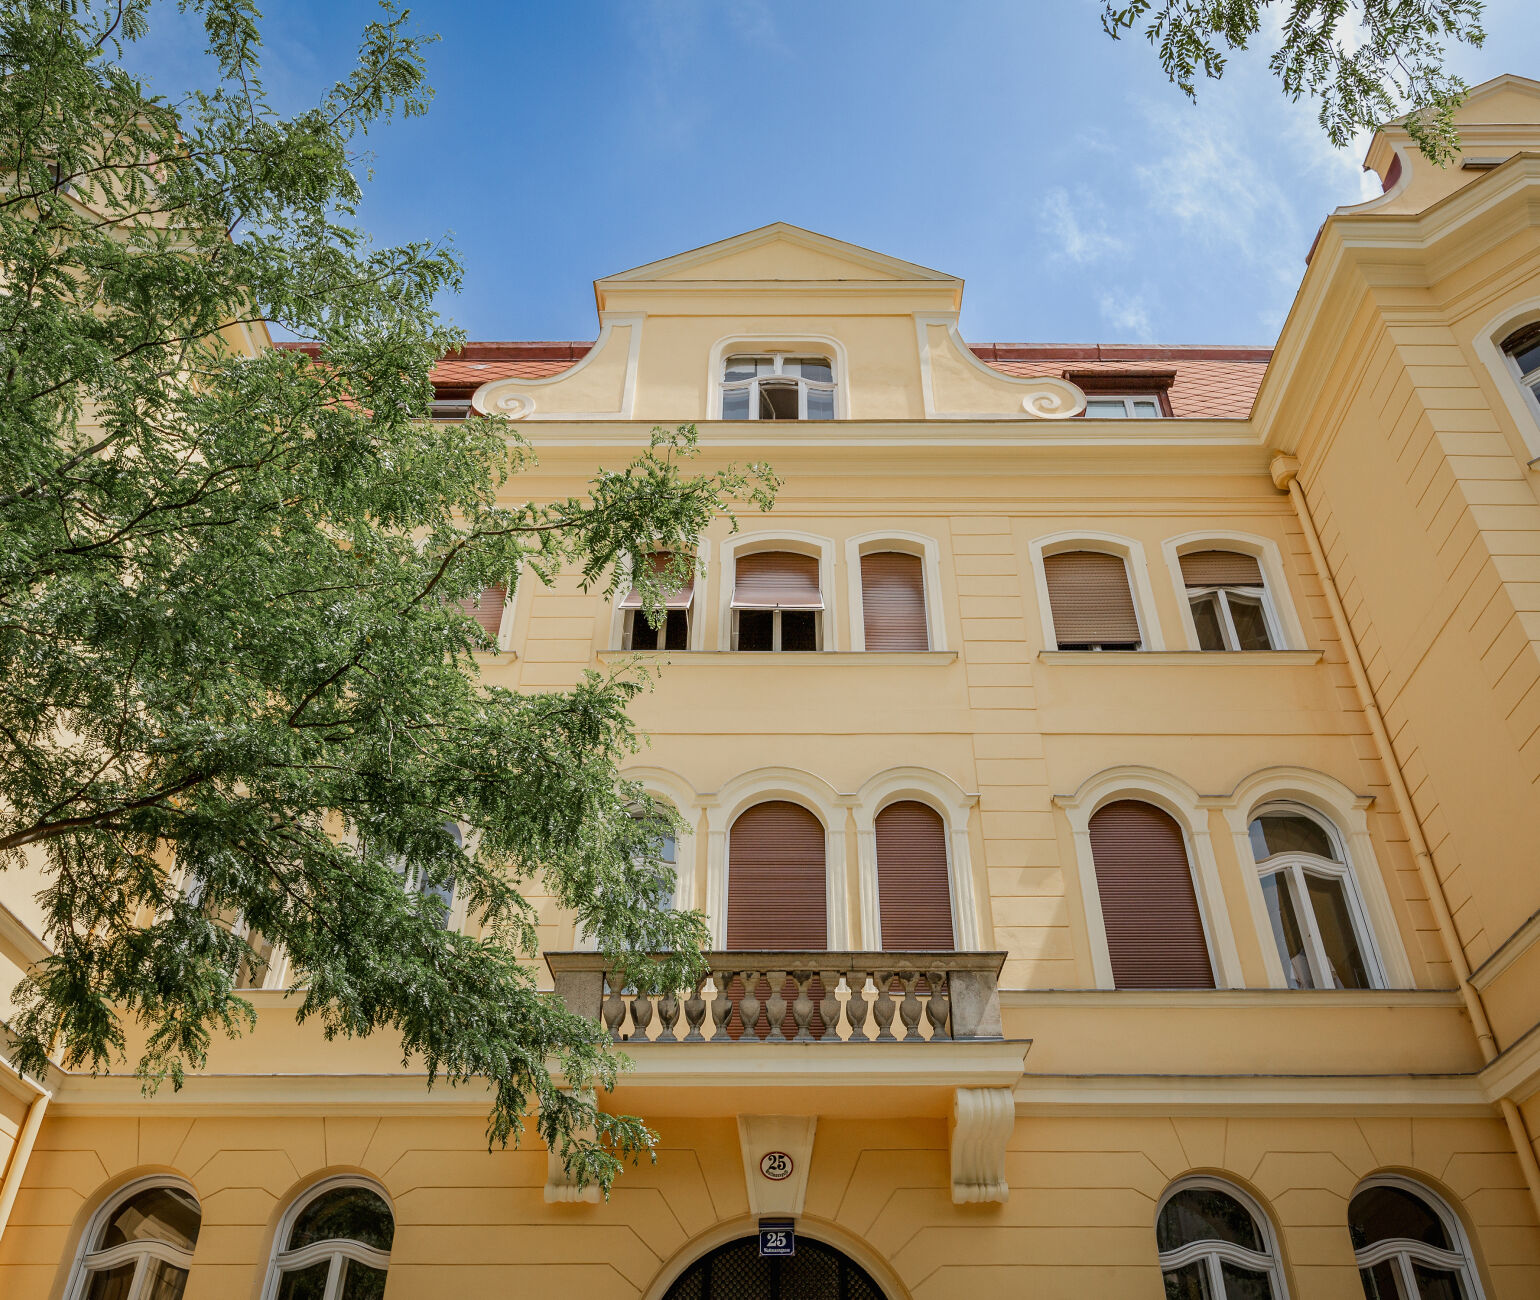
{"x": 777, "y": 1237}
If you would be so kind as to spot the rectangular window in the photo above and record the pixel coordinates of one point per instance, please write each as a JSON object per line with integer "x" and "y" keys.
{"x": 673, "y": 629}
{"x": 1139, "y": 407}
{"x": 1092, "y": 604}
{"x": 1225, "y": 592}
{"x": 777, "y": 602}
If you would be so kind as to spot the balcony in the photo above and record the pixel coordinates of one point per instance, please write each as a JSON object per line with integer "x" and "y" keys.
{"x": 823, "y": 998}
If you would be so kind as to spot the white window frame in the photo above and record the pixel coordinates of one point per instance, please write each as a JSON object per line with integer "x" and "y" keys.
{"x": 1522, "y": 403}
{"x": 1213, "y": 1253}
{"x": 336, "y": 1251}
{"x": 917, "y": 544}
{"x": 1295, "y": 866}
{"x": 1283, "y": 625}
{"x": 697, "y": 615}
{"x": 779, "y": 379}
{"x": 1227, "y": 632}
{"x": 791, "y": 345}
{"x": 88, "y": 1261}
{"x": 277, "y": 971}
{"x": 821, "y": 548}
{"x": 1403, "y": 1250}
{"x": 1128, "y": 550}
{"x": 1128, "y": 400}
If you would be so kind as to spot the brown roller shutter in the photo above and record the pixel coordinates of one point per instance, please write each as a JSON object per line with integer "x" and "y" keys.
{"x": 1221, "y": 569}
{"x": 914, "y": 894}
{"x": 1149, "y": 908}
{"x": 776, "y": 580}
{"x": 893, "y": 601}
{"x": 488, "y": 610}
{"x": 1092, "y": 605}
{"x": 679, "y": 599}
{"x": 775, "y": 879}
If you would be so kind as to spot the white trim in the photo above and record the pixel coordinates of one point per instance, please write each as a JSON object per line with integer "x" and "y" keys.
{"x": 1348, "y": 817}
{"x": 787, "y": 343}
{"x": 906, "y": 543}
{"x": 87, "y": 1260}
{"x": 1283, "y": 623}
{"x": 1268, "y": 1260}
{"x": 1181, "y": 801}
{"x": 1521, "y": 402}
{"x": 1130, "y": 551}
{"x": 954, "y": 806}
{"x": 1461, "y": 1260}
{"x": 782, "y": 539}
{"x": 762, "y": 786}
{"x": 280, "y": 1258}
{"x": 505, "y": 396}
{"x": 1049, "y": 398}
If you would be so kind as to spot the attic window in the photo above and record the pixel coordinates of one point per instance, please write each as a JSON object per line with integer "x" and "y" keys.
{"x": 455, "y": 408}
{"x": 777, "y": 386}
{"x": 1137, "y": 407}
{"x": 1123, "y": 393}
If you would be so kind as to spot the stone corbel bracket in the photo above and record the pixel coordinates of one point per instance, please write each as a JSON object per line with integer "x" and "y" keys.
{"x": 560, "y": 1187}
{"x": 982, "y": 1120}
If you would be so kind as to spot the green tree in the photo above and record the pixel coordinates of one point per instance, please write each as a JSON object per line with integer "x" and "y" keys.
{"x": 230, "y": 635}
{"x": 1366, "y": 61}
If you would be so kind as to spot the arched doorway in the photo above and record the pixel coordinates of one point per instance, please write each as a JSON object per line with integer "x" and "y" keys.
{"x": 737, "y": 1271}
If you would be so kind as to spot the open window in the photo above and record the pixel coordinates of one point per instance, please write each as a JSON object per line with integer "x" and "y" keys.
{"x": 673, "y": 629}
{"x": 1228, "y": 598}
{"x": 1522, "y": 349}
{"x": 777, "y": 602}
{"x": 777, "y": 386}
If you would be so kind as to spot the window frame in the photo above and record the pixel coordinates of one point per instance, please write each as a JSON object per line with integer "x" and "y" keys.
{"x": 335, "y": 1250}
{"x": 779, "y": 379}
{"x": 88, "y": 1262}
{"x": 1522, "y": 402}
{"x": 1227, "y": 630}
{"x": 1130, "y": 551}
{"x": 820, "y": 548}
{"x": 1128, "y": 400}
{"x": 1283, "y": 626}
{"x": 792, "y": 345}
{"x": 917, "y": 544}
{"x": 1403, "y": 1250}
{"x": 1299, "y": 865}
{"x": 1213, "y": 1253}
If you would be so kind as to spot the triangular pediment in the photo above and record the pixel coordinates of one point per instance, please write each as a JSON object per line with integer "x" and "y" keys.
{"x": 779, "y": 252}
{"x": 1505, "y": 98}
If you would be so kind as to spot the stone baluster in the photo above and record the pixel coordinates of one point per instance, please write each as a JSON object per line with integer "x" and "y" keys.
{"x": 830, "y": 1005}
{"x": 748, "y": 1005}
{"x": 668, "y": 1016}
{"x": 802, "y": 1006}
{"x": 695, "y": 1011}
{"x": 775, "y": 1005}
{"x": 884, "y": 1008}
{"x": 641, "y": 1014}
{"x": 614, "y": 1006}
{"x": 938, "y": 1008}
{"x": 858, "y": 1008}
{"x": 910, "y": 1010}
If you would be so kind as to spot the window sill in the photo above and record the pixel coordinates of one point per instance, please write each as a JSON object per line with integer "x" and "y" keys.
{"x": 770, "y": 658}
{"x": 1183, "y": 658}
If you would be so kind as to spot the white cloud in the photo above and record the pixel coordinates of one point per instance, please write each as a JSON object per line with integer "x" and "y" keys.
{"x": 1077, "y": 227}
{"x": 1129, "y": 315}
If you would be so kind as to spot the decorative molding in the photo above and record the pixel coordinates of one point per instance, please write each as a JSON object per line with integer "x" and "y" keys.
{"x": 758, "y": 1135}
{"x": 509, "y": 398}
{"x": 982, "y": 1122}
{"x": 1185, "y": 658}
{"x": 561, "y": 1188}
{"x": 1040, "y": 399}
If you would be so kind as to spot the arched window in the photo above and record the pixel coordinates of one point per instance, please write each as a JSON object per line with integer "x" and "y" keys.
{"x": 1216, "y": 1244}
{"x": 1317, "y": 917}
{"x": 1092, "y": 603}
{"x": 893, "y": 601}
{"x": 1408, "y": 1244}
{"x": 776, "y": 891}
{"x": 1150, "y": 910}
{"x": 777, "y": 602}
{"x": 1522, "y": 349}
{"x": 914, "y": 894}
{"x": 139, "y": 1246}
{"x": 777, "y": 386}
{"x": 673, "y": 631}
{"x": 334, "y": 1245}
{"x": 1228, "y": 599}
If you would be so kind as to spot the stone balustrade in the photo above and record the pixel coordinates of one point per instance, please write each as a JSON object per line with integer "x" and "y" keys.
{"x": 800, "y": 997}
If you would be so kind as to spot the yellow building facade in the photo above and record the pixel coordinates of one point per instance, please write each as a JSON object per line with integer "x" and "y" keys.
{"x": 1114, "y": 800}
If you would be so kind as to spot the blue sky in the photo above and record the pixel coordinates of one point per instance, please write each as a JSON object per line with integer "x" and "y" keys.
{"x": 1010, "y": 143}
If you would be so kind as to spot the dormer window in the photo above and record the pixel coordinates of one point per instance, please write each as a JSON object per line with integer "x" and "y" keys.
{"x": 1142, "y": 406}
{"x": 777, "y": 386}
{"x": 1523, "y": 351}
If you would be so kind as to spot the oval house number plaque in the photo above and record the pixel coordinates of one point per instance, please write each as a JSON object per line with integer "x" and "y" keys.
{"x": 775, "y": 1165}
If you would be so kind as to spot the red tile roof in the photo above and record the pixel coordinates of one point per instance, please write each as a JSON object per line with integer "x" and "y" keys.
{"x": 1210, "y": 382}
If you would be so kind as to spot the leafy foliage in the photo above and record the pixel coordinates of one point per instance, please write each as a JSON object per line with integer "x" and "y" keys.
{"x": 1366, "y": 61}
{"x": 230, "y": 584}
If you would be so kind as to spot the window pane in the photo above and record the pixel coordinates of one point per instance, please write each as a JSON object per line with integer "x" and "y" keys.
{"x": 162, "y": 1281}
{"x": 740, "y": 367}
{"x": 345, "y": 1213}
{"x": 799, "y": 629}
{"x": 1380, "y": 1282}
{"x": 817, "y": 368}
{"x": 1286, "y": 933}
{"x": 111, "y": 1283}
{"x": 1250, "y": 625}
{"x": 1382, "y": 1213}
{"x": 1436, "y": 1283}
{"x": 820, "y": 403}
{"x": 1528, "y": 357}
{"x": 676, "y": 634}
{"x": 1190, "y": 1282}
{"x": 735, "y": 403}
{"x": 1289, "y": 833}
{"x": 756, "y": 628}
{"x": 1244, "y": 1283}
{"x": 1205, "y": 1214}
{"x": 1146, "y": 410}
{"x": 253, "y": 968}
{"x": 1205, "y": 619}
{"x": 777, "y": 401}
{"x": 1329, "y": 903}
{"x": 305, "y": 1283}
{"x": 1105, "y": 408}
{"x": 155, "y": 1214}
{"x": 360, "y": 1282}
